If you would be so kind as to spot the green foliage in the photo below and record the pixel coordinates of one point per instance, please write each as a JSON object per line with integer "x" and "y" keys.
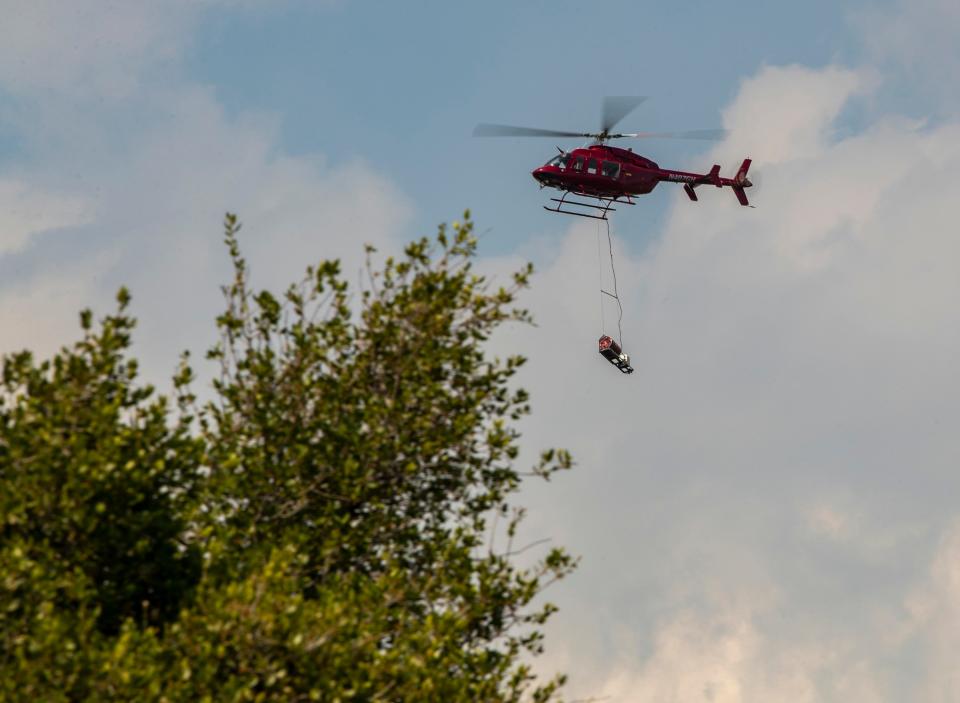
{"x": 321, "y": 529}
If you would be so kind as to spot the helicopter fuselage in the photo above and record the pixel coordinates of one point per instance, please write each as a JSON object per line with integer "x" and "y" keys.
{"x": 609, "y": 172}
{"x": 600, "y": 170}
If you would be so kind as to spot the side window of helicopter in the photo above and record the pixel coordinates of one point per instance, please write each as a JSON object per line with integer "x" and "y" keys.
{"x": 611, "y": 169}
{"x": 578, "y": 164}
{"x": 592, "y": 166}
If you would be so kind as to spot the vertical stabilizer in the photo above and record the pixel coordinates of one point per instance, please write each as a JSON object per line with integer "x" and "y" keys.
{"x": 742, "y": 173}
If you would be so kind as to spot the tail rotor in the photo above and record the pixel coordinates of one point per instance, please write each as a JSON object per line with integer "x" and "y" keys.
{"x": 741, "y": 182}
{"x": 756, "y": 183}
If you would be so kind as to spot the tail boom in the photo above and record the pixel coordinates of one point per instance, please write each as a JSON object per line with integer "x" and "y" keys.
{"x": 739, "y": 183}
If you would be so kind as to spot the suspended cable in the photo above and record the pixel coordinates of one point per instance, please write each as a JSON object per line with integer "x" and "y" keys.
{"x": 603, "y": 323}
{"x": 616, "y": 295}
{"x": 611, "y": 350}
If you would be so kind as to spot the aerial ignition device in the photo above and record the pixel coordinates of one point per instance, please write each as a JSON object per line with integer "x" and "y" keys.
{"x": 610, "y": 175}
{"x": 611, "y": 351}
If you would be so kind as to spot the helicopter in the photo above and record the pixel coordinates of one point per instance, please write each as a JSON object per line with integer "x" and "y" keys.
{"x": 611, "y": 175}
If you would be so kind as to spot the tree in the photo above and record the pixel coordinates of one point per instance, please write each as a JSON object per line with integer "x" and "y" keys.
{"x": 320, "y": 530}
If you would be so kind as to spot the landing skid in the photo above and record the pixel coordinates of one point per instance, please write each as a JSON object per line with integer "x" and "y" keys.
{"x": 604, "y": 207}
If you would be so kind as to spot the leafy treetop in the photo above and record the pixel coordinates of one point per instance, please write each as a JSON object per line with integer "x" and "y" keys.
{"x": 320, "y": 530}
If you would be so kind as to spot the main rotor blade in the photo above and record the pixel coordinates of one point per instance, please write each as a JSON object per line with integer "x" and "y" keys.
{"x": 503, "y": 130}
{"x": 710, "y": 134}
{"x": 616, "y": 107}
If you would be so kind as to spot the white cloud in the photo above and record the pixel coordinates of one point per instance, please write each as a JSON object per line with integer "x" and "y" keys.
{"x": 42, "y": 313}
{"x": 94, "y": 48}
{"x": 295, "y": 211}
{"x": 725, "y": 657}
{"x": 917, "y": 38}
{"x": 152, "y": 194}
{"x": 160, "y": 215}
{"x": 789, "y": 110}
{"x": 720, "y": 659}
{"x": 829, "y": 522}
{"x": 85, "y": 46}
{"x": 26, "y": 211}
{"x": 735, "y": 651}
{"x": 934, "y": 622}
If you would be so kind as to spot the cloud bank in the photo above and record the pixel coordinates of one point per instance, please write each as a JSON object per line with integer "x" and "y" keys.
{"x": 128, "y": 169}
{"x": 766, "y": 508}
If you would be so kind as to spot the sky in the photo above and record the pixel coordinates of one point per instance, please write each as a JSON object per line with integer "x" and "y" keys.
{"x": 766, "y": 510}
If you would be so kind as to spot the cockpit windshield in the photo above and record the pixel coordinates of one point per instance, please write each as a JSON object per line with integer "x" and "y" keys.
{"x": 559, "y": 161}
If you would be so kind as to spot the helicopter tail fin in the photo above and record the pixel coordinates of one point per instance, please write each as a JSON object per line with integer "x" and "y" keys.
{"x": 738, "y": 183}
{"x": 742, "y": 172}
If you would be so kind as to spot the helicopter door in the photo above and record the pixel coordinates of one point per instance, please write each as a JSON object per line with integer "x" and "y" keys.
{"x": 578, "y": 164}
{"x": 592, "y": 166}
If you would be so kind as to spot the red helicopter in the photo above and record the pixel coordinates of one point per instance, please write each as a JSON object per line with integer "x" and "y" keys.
{"x": 611, "y": 175}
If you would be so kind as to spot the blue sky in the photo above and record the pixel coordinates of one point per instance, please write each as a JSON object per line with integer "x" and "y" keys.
{"x": 766, "y": 509}
{"x": 402, "y": 85}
